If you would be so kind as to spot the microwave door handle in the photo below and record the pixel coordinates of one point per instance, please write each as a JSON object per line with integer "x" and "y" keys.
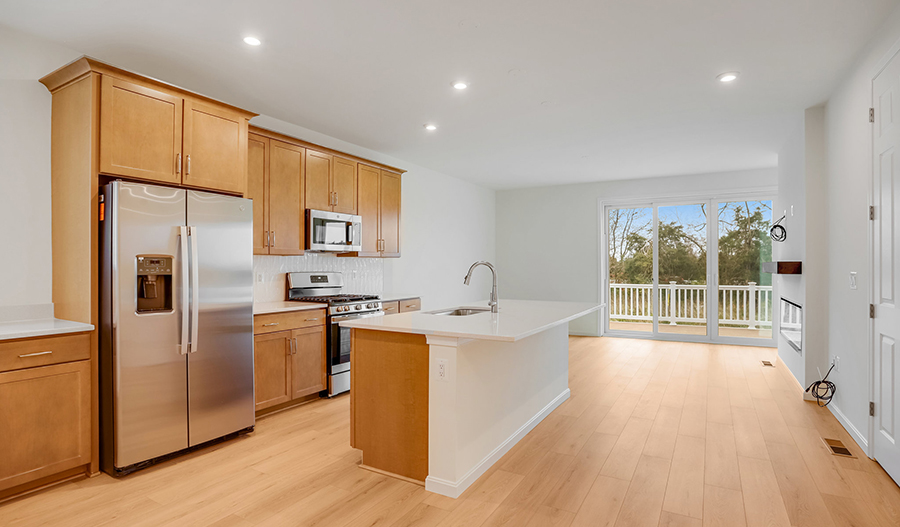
{"x": 350, "y": 233}
{"x": 195, "y": 291}
{"x": 185, "y": 290}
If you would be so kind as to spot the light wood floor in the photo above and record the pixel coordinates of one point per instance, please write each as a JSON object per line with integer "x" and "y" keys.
{"x": 655, "y": 433}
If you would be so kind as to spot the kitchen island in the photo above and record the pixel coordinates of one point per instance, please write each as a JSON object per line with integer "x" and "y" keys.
{"x": 438, "y": 398}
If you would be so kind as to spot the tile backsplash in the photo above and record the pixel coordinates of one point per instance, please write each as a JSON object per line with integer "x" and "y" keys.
{"x": 361, "y": 275}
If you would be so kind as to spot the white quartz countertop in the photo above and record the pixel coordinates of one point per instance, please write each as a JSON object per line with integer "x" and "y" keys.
{"x": 516, "y": 320}
{"x": 263, "y": 308}
{"x": 23, "y": 329}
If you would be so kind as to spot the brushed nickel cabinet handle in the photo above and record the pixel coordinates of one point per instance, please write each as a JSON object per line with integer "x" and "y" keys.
{"x": 273, "y": 239}
{"x": 295, "y": 345}
{"x": 390, "y": 308}
{"x": 411, "y": 305}
{"x": 267, "y": 239}
{"x": 188, "y": 159}
{"x": 271, "y": 324}
{"x": 335, "y": 199}
{"x": 178, "y": 163}
{"x": 290, "y": 346}
{"x": 311, "y": 319}
{"x": 35, "y": 354}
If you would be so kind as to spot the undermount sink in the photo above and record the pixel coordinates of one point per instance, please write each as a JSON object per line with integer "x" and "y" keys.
{"x": 460, "y": 311}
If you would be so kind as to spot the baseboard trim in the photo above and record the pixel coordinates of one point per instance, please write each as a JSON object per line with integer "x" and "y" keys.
{"x": 454, "y": 489}
{"x": 848, "y": 426}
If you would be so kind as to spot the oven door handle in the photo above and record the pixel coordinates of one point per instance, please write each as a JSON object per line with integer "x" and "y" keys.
{"x": 342, "y": 318}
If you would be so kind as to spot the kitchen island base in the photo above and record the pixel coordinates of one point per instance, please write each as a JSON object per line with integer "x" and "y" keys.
{"x": 444, "y": 409}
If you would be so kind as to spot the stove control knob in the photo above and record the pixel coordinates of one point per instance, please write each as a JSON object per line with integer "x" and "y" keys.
{"x": 358, "y": 307}
{"x": 370, "y": 306}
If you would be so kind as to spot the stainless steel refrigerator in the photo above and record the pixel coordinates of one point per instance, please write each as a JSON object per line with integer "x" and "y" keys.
{"x": 177, "y": 322}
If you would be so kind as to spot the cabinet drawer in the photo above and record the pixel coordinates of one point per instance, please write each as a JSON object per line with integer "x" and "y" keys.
{"x": 410, "y": 304}
{"x": 19, "y": 354}
{"x": 272, "y": 322}
{"x": 390, "y": 308}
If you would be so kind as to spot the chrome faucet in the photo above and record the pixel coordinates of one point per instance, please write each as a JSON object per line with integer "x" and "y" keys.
{"x": 494, "y": 303}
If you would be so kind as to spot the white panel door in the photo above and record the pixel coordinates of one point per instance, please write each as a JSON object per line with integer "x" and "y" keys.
{"x": 886, "y": 269}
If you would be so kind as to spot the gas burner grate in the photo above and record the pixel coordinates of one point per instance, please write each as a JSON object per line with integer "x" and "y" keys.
{"x": 337, "y": 299}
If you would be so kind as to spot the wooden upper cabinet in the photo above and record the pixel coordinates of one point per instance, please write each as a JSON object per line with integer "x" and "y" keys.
{"x": 140, "y": 131}
{"x": 257, "y": 189}
{"x": 390, "y": 214}
{"x": 343, "y": 186}
{"x": 285, "y": 203}
{"x": 368, "y": 184}
{"x": 318, "y": 180}
{"x": 215, "y": 148}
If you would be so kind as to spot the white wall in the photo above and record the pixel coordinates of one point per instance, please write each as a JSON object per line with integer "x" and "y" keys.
{"x": 446, "y": 224}
{"x": 25, "y": 166}
{"x": 548, "y": 237}
{"x": 792, "y": 194}
{"x": 849, "y": 175}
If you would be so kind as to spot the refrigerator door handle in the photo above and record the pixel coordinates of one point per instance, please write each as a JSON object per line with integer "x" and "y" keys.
{"x": 185, "y": 291}
{"x": 195, "y": 291}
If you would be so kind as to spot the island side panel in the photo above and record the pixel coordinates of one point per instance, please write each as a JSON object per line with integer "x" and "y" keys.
{"x": 389, "y": 401}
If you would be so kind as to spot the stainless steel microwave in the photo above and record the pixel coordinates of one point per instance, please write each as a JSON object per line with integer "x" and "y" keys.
{"x": 333, "y": 232}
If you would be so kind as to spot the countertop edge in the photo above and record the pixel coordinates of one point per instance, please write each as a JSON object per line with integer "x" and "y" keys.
{"x": 261, "y": 309}
{"x": 438, "y": 333}
{"x": 45, "y": 332}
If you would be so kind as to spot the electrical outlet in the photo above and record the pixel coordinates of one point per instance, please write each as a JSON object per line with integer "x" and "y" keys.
{"x": 853, "y": 280}
{"x": 837, "y": 363}
{"x": 259, "y": 278}
{"x": 442, "y": 373}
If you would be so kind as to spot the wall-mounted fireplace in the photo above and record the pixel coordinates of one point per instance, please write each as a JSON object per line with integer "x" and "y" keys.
{"x": 792, "y": 324}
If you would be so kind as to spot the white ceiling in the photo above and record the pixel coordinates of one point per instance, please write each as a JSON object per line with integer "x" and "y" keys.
{"x": 560, "y": 92}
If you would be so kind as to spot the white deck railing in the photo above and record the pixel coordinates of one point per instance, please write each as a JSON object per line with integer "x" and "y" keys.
{"x": 739, "y": 305}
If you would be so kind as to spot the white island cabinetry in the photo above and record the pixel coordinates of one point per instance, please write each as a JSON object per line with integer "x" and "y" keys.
{"x": 439, "y": 399}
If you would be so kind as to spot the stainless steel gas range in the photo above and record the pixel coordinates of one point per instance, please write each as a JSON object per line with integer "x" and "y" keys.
{"x": 326, "y": 288}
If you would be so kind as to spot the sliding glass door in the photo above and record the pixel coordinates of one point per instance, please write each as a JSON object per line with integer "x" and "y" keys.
{"x": 689, "y": 270}
{"x": 744, "y": 291}
{"x": 630, "y": 244}
{"x": 682, "y": 234}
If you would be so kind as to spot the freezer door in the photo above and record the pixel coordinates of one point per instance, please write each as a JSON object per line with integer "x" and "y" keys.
{"x": 148, "y": 385}
{"x": 220, "y": 364}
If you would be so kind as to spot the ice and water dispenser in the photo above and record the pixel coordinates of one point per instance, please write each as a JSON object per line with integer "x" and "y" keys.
{"x": 154, "y": 283}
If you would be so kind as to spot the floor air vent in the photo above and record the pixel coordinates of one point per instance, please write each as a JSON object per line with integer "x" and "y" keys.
{"x": 768, "y": 363}
{"x": 837, "y": 448}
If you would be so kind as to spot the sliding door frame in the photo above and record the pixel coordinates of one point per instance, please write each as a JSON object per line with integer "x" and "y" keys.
{"x": 712, "y": 200}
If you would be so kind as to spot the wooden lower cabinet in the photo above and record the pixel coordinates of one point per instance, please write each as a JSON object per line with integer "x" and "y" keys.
{"x": 308, "y": 373}
{"x": 272, "y": 363}
{"x": 45, "y": 421}
{"x": 290, "y": 362}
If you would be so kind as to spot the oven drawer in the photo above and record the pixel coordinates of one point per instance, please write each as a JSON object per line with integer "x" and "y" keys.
{"x": 272, "y": 322}
{"x": 410, "y": 304}
{"x": 43, "y": 351}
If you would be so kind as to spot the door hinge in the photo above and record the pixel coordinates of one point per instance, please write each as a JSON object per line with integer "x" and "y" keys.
{"x": 871, "y": 115}
{"x": 871, "y": 310}
{"x": 871, "y": 212}
{"x": 872, "y": 408}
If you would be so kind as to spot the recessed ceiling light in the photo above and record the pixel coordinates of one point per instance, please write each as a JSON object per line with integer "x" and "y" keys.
{"x": 430, "y": 127}
{"x": 459, "y": 85}
{"x": 728, "y": 76}
{"x": 253, "y": 41}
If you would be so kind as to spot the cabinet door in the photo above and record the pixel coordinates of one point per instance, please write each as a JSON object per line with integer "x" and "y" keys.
{"x": 45, "y": 419}
{"x": 257, "y": 189}
{"x": 343, "y": 185}
{"x": 215, "y": 148}
{"x": 272, "y": 364}
{"x": 368, "y": 182}
{"x": 286, "y": 217}
{"x": 140, "y": 131}
{"x": 318, "y": 180}
{"x": 308, "y": 375}
{"x": 390, "y": 214}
